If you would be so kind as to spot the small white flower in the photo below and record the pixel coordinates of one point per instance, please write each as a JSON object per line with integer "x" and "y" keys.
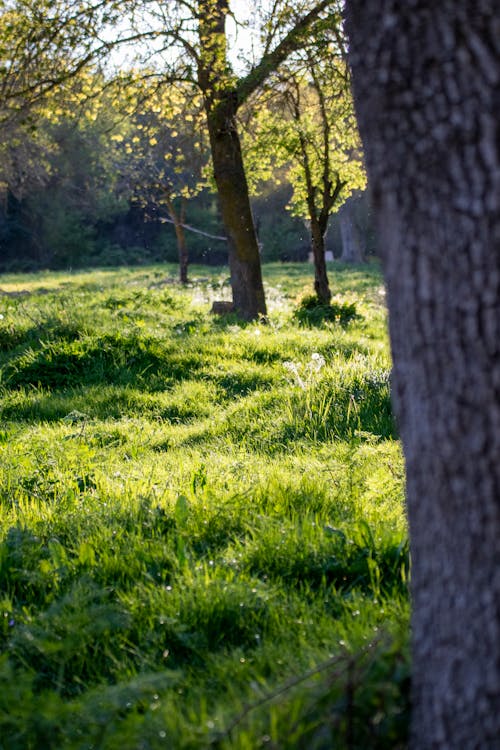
{"x": 317, "y": 361}
{"x": 293, "y": 368}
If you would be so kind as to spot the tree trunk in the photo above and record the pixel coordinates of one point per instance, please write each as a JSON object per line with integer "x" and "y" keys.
{"x": 318, "y": 219}
{"x": 321, "y": 285}
{"x": 426, "y": 79}
{"x": 220, "y": 95}
{"x": 244, "y": 257}
{"x": 178, "y": 220}
{"x": 223, "y": 93}
{"x": 352, "y": 249}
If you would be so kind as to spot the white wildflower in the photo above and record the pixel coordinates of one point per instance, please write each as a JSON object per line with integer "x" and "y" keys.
{"x": 293, "y": 368}
{"x": 317, "y": 362}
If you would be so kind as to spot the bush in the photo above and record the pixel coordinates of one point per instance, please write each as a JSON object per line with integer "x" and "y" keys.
{"x": 311, "y": 311}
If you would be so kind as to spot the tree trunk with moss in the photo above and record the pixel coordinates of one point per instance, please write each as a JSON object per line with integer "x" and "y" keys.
{"x": 427, "y": 89}
{"x": 244, "y": 256}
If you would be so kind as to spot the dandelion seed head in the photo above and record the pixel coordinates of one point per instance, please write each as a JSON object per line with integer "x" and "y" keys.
{"x": 317, "y": 361}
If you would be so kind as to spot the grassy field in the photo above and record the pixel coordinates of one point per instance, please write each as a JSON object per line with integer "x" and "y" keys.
{"x": 202, "y": 529}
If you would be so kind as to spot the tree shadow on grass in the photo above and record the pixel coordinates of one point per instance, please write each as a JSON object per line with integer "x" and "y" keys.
{"x": 112, "y": 359}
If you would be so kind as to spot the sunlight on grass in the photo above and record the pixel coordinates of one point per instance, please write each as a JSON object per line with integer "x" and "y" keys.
{"x": 202, "y": 525}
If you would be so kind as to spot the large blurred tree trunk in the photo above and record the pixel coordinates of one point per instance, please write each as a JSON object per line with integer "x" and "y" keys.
{"x": 427, "y": 88}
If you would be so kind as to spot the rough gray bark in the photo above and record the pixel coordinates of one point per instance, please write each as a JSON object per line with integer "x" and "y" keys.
{"x": 427, "y": 88}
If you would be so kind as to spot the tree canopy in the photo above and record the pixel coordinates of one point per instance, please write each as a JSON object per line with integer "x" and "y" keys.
{"x": 304, "y": 122}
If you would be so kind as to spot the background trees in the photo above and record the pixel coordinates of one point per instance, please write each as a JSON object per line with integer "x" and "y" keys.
{"x": 306, "y": 125}
{"x": 189, "y": 41}
{"x": 45, "y": 44}
{"x": 426, "y": 84}
{"x": 58, "y": 175}
{"x": 175, "y": 44}
{"x": 162, "y": 155}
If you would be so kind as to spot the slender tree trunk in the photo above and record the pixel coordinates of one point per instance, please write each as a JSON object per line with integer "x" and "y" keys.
{"x": 182, "y": 245}
{"x": 321, "y": 285}
{"x": 427, "y": 88}
{"x": 318, "y": 219}
{"x": 178, "y": 220}
{"x": 352, "y": 250}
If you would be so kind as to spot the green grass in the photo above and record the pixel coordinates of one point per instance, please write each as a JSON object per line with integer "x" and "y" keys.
{"x": 202, "y": 530}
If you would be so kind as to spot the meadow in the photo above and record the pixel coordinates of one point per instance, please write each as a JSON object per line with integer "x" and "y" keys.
{"x": 203, "y": 540}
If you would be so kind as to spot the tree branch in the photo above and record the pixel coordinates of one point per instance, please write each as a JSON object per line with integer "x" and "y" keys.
{"x": 163, "y": 219}
{"x": 271, "y": 60}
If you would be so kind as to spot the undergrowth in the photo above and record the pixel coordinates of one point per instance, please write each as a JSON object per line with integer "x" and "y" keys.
{"x": 312, "y": 311}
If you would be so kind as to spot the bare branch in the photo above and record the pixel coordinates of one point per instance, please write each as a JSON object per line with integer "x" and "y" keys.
{"x": 163, "y": 219}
